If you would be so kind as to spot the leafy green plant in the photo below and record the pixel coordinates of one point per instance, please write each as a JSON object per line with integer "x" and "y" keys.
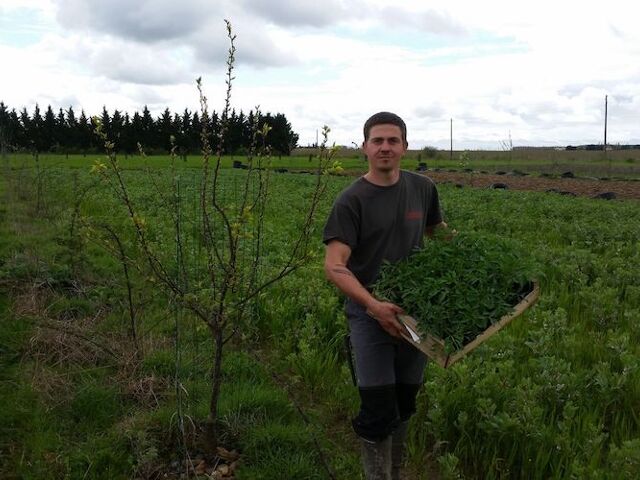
{"x": 335, "y": 168}
{"x": 455, "y": 288}
{"x": 554, "y": 396}
{"x": 430, "y": 152}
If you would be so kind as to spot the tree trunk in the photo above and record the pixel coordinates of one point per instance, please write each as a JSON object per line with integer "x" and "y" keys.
{"x": 211, "y": 440}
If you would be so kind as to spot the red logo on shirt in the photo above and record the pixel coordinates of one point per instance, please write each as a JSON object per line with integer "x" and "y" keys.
{"x": 413, "y": 215}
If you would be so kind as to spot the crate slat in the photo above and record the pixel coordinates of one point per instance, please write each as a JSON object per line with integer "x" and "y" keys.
{"x": 434, "y": 347}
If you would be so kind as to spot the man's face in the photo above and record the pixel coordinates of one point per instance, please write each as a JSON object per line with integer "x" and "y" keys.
{"x": 384, "y": 148}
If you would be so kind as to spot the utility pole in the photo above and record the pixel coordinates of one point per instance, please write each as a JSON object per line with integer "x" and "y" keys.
{"x": 605, "y": 125}
{"x": 605, "y": 137}
{"x": 451, "y": 138}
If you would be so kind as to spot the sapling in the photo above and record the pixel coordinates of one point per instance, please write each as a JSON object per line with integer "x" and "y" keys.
{"x": 220, "y": 279}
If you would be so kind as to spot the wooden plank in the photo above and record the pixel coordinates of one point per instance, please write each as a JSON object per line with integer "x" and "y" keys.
{"x": 526, "y": 302}
{"x": 435, "y": 348}
{"x": 432, "y": 346}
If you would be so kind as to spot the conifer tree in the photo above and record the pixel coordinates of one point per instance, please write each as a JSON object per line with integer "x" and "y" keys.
{"x": 85, "y": 133}
{"x": 147, "y": 139}
{"x": 5, "y": 130}
{"x": 72, "y": 133}
{"x": 164, "y": 131}
{"x": 68, "y": 134}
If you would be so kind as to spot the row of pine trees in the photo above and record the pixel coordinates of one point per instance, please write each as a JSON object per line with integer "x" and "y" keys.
{"x": 65, "y": 132}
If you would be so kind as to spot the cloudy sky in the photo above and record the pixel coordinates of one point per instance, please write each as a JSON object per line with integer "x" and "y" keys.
{"x": 537, "y": 72}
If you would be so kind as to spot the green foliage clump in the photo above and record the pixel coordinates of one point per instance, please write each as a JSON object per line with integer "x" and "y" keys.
{"x": 430, "y": 152}
{"x": 455, "y": 288}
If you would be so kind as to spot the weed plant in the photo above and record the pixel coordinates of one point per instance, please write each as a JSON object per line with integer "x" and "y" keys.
{"x": 455, "y": 288}
{"x": 553, "y": 395}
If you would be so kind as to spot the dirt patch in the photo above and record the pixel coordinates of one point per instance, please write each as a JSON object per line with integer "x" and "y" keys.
{"x": 585, "y": 187}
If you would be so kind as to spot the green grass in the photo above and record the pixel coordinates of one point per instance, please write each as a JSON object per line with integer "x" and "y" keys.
{"x": 42, "y": 437}
{"x": 618, "y": 164}
{"x": 553, "y": 395}
{"x": 536, "y": 380}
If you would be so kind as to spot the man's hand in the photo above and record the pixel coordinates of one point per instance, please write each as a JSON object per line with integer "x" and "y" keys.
{"x": 335, "y": 267}
{"x": 385, "y": 313}
{"x": 442, "y": 229}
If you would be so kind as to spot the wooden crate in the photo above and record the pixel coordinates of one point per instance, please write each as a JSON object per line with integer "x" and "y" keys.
{"x": 434, "y": 347}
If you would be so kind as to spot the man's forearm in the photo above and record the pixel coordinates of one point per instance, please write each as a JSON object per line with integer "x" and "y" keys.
{"x": 383, "y": 312}
{"x": 348, "y": 284}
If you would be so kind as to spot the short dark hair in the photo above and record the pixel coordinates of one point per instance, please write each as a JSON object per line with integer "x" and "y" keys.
{"x": 382, "y": 118}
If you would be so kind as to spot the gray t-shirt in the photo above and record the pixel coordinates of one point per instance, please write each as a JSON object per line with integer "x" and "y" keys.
{"x": 382, "y": 223}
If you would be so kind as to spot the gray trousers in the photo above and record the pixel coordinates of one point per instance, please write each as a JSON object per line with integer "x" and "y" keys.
{"x": 389, "y": 372}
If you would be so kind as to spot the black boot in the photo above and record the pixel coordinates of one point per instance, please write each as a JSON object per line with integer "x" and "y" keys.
{"x": 398, "y": 442}
{"x": 376, "y": 459}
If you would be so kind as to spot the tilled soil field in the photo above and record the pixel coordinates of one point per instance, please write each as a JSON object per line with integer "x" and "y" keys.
{"x": 586, "y": 187}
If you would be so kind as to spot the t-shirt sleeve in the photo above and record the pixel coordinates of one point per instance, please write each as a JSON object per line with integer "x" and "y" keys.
{"x": 434, "y": 215}
{"x": 342, "y": 225}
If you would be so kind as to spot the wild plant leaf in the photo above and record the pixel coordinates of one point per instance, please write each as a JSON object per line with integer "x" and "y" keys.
{"x": 457, "y": 288}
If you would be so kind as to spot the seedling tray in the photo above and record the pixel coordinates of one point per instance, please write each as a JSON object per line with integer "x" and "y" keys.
{"x": 434, "y": 347}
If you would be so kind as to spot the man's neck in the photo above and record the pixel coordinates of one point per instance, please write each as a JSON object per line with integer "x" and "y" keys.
{"x": 383, "y": 179}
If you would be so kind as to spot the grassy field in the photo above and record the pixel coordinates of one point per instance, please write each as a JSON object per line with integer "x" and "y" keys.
{"x": 554, "y": 395}
{"x": 624, "y": 164}
{"x": 621, "y": 163}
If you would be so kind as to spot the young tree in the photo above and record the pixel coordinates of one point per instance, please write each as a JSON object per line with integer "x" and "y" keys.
{"x": 232, "y": 236}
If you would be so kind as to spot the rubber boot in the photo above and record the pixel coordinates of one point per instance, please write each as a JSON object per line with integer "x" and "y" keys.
{"x": 398, "y": 442}
{"x": 376, "y": 459}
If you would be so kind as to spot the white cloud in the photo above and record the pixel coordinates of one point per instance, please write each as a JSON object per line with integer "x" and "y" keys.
{"x": 539, "y": 70}
{"x": 142, "y": 20}
{"x": 313, "y": 13}
{"x": 132, "y": 63}
{"x": 255, "y": 45}
{"x": 432, "y": 21}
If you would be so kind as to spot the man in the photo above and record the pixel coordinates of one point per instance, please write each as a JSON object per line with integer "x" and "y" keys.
{"x": 382, "y": 216}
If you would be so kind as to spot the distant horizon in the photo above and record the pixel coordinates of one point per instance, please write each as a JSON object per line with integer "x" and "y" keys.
{"x": 617, "y": 146}
{"x": 537, "y": 74}
{"x": 441, "y": 144}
